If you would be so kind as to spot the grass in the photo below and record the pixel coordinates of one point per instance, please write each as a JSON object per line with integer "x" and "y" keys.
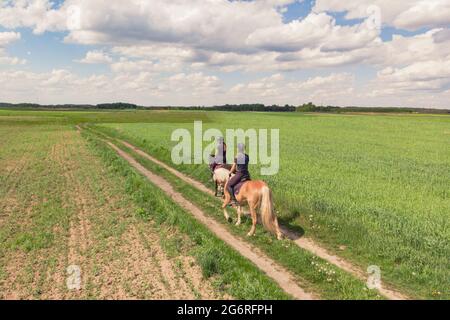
{"x": 49, "y": 176}
{"x": 373, "y": 188}
{"x": 314, "y": 274}
{"x": 228, "y": 268}
{"x": 26, "y": 117}
{"x": 33, "y": 222}
{"x": 377, "y": 186}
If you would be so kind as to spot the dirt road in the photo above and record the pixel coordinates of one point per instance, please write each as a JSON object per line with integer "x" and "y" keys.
{"x": 279, "y": 274}
{"x": 303, "y": 242}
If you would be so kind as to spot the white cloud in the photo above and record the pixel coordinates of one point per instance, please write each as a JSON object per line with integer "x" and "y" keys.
{"x": 131, "y": 66}
{"x": 36, "y": 14}
{"x": 62, "y": 86}
{"x": 402, "y": 51}
{"x": 174, "y": 51}
{"x": 403, "y": 14}
{"x": 280, "y": 90}
{"x": 96, "y": 57}
{"x": 7, "y": 38}
{"x": 315, "y": 31}
{"x": 427, "y": 75}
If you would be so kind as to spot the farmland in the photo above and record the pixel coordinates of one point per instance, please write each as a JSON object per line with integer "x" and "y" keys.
{"x": 374, "y": 189}
{"x": 64, "y": 202}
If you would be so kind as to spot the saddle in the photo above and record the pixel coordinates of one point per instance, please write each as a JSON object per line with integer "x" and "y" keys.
{"x": 238, "y": 187}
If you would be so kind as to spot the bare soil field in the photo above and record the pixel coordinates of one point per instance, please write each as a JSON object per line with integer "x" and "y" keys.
{"x": 59, "y": 208}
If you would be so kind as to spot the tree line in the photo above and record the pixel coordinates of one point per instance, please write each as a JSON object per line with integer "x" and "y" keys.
{"x": 257, "y": 107}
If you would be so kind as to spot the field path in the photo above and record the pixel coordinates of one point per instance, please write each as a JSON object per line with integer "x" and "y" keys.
{"x": 303, "y": 242}
{"x": 280, "y": 275}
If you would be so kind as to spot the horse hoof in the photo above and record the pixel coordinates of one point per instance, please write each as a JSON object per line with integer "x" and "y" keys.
{"x": 250, "y": 235}
{"x": 238, "y": 224}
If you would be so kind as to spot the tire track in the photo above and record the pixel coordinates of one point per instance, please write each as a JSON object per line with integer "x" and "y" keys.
{"x": 303, "y": 242}
{"x": 279, "y": 274}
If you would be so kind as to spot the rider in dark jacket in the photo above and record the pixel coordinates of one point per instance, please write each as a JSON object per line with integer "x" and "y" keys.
{"x": 240, "y": 169}
{"x": 221, "y": 154}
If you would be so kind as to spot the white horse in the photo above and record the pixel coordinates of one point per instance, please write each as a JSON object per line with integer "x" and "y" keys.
{"x": 220, "y": 177}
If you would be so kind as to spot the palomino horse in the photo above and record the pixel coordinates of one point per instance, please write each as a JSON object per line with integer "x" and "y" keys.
{"x": 257, "y": 195}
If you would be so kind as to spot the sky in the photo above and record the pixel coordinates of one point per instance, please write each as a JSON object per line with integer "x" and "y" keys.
{"x": 377, "y": 53}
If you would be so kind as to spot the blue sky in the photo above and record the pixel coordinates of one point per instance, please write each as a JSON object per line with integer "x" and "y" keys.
{"x": 252, "y": 51}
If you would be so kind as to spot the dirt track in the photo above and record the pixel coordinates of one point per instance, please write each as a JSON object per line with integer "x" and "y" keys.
{"x": 279, "y": 274}
{"x": 302, "y": 242}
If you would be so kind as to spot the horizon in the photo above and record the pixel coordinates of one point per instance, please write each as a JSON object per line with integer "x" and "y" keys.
{"x": 216, "y": 52}
{"x": 67, "y": 106}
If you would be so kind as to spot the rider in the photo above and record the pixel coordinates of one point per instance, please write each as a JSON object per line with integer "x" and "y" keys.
{"x": 240, "y": 169}
{"x": 220, "y": 156}
{"x": 221, "y": 152}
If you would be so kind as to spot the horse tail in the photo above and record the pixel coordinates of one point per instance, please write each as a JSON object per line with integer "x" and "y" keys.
{"x": 269, "y": 220}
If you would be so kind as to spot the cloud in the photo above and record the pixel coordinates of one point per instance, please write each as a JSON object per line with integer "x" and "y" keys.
{"x": 96, "y": 57}
{"x": 315, "y": 31}
{"x": 36, "y": 14}
{"x": 407, "y": 50}
{"x": 402, "y": 14}
{"x": 281, "y": 90}
{"x": 132, "y": 66}
{"x": 207, "y": 24}
{"x": 177, "y": 51}
{"x": 62, "y": 86}
{"x": 240, "y": 27}
{"x": 427, "y": 75}
{"x": 221, "y": 34}
{"x": 7, "y": 38}
{"x": 333, "y": 80}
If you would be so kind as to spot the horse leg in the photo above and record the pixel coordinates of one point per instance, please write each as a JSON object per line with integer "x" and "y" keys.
{"x": 227, "y": 196}
{"x": 216, "y": 189}
{"x": 239, "y": 212}
{"x": 254, "y": 219}
{"x": 224, "y": 207}
{"x": 227, "y": 216}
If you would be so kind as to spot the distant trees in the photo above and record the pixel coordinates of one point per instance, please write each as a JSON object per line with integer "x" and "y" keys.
{"x": 117, "y": 105}
{"x": 307, "y": 107}
{"x": 311, "y": 107}
{"x": 256, "y": 107}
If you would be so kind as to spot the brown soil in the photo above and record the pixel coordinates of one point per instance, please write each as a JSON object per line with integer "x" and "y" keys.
{"x": 129, "y": 264}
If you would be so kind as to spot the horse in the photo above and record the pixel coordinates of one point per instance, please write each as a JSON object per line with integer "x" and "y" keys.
{"x": 220, "y": 175}
{"x": 256, "y": 195}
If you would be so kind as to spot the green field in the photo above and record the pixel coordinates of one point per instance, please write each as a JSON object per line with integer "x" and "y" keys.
{"x": 374, "y": 189}
{"x": 66, "y": 199}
